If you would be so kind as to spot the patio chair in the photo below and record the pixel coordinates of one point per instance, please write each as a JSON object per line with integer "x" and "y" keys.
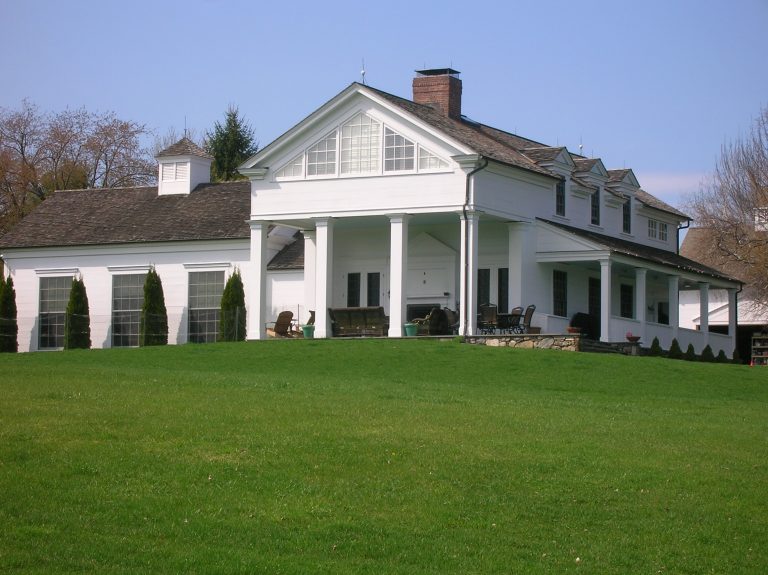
{"x": 526, "y": 327}
{"x": 282, "y": 326}
{"x": 515, "y": 316}
{"x": 453, "y": 320}
{"x": 488, "y": 319}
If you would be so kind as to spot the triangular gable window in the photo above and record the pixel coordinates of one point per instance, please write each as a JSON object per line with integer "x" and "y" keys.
{"x": 429, "y": 161}
{"x": 321, "y": 158}
{"x": 399, "y": 152}
{"x": 360, "y": 145}
{"x": 293, "y": 169}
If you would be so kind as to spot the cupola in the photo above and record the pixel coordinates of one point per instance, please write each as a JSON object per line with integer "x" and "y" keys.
{"x": 181, "y": 167}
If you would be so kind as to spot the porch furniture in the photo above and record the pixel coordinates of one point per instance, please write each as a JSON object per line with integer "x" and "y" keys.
{"x": 453, "y": 320}
{"x": 488, "y": 319}
{"x": 282, "y": 326}
{"x": 510, "y": 322}
{"x": 358, "y": 321}
{"x": 526, "y": 327}
{"x": 585, "y": 323}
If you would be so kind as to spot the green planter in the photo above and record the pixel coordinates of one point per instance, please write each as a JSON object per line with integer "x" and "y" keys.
{"x": 411, "y": 329}
{"x": 308, "y": 331}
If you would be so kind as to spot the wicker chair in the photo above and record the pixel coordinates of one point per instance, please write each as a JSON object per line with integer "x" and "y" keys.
{"x": 489, "y": 320}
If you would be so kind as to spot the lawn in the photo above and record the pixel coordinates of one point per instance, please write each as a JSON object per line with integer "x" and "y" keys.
{"x": 380, "y": 456}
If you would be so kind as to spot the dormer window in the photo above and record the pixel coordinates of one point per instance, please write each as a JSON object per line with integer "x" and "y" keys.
{"x": 560, "y": 198}
{"x": 595, "y": 208}
{"x": 657, "y": 230}
{"x": 174, "y": 171}
{"x": 626, "y": 216}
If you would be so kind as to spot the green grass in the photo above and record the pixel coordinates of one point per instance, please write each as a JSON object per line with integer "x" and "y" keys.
{"x": 380, "y": 457}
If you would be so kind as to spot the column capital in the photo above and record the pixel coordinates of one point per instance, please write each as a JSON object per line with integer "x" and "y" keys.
{"x": 641, "y": 272}
{"x": 399, "y": 218}
{"x": 309, "y": 234}
{"x": 258, "y": 224}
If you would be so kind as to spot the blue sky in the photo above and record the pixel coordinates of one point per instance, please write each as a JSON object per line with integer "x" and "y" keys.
{"x": 657, "y": 86}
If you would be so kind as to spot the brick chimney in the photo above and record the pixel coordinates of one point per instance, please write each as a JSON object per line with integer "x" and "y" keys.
{"x": 439, "y": 88}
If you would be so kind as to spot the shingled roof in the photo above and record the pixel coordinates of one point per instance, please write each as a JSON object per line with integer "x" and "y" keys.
{"x": 644, "y": 252}
{"x": 132, "y": 215}
{"x": 184, "y": 147}
{"x": 291, "y": 257}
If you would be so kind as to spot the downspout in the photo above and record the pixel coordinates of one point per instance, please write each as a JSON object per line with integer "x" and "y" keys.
{"x": 464, "y": 209}
{"x": 685, "y": 227}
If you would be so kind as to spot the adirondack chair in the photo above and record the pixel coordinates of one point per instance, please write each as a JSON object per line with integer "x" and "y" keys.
{"x": 282, "y": 326}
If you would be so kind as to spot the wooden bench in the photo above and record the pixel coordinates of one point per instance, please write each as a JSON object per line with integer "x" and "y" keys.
{"x": 358, "y": 321}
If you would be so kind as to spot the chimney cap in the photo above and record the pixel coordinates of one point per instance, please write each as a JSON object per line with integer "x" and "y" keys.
{"x": 438, "y": 72}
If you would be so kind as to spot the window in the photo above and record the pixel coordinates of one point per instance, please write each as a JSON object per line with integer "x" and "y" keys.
{"x": 172, "y": 171}
{"x": 595, "y": 208}
{"x": 626, "y": 216}
{"x": 560, "y": 198}
{"x": 54, "y": 296}
{"x": 127, "y": 299}
{"x": 398, "y": 152}
{"x": 657, "y": 230}
{"x": 293, "y": 169}
{"x": 374, "y": 289}
{"x": 360, "y": 147}
{"x": 483, "y": 286}
{"x": 353, "y": 289}
{"x": 503, "y": 293}
{"x": 205, "y": 289}
{"x": 428, "y": 161}
{"x": 559, "y": 293}
{"x": 321, "y": 158}
{"x": 626, "y": 300}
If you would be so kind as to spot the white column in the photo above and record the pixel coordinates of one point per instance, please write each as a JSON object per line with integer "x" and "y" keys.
{"x": 674, "y": 304}
{"x": 469, "y": 254}
{"x": 605, "y": 300}
{"x": 310, "y": 268}
{"x": 517, "y": 259}
{"x": 733, "y": 317}
{"x": 257, "y": 291}
{"x": 640, "y": 302}
{"x": 323, "y": 276}
{"x": 704, "y": 309}
{"x": 398, "y": 272}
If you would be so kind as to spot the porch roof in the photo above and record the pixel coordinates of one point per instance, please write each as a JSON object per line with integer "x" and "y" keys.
{"x": 643, "y": 252}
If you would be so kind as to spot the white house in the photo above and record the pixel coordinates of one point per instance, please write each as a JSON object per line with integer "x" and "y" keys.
{"x": 398, "y": 203}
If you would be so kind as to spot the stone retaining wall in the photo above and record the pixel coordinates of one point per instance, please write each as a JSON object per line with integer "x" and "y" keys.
{"x": 528, "y": 341}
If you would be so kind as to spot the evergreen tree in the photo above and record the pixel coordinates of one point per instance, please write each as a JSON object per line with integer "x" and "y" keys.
{"x": 707, "y": 354}
{"x": 690, "y": 353}
{"x": 77, "y": 322}
{"x": 230, "y": 145}
{"x": 721, "y": 357}
{"x": 153, "y": 328}
{"x": 674, "y": 350}
{"x": 655, "y": 347}
{"x": 232, "y": 321}
{"x": 736, "y": 358}
{"x": 9, "y": 329}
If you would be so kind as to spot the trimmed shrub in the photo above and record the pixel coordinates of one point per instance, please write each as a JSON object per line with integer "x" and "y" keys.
{"x": 153, "y": 327}
{"x": 707, "y": 354}
{"x": 721, "y": 357}
{"x": 77, "y": 322}
{"x": 232, "y": 323}
{"x": 655, "y": 348}
{"x": 9, "y": 328}
{"x": 736, "y": 357}
{"x": 690, "y": 353}
{"x": 674, "y": 350}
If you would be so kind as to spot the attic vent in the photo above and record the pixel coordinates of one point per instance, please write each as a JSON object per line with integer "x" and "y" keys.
{"x": 172, "y": 171}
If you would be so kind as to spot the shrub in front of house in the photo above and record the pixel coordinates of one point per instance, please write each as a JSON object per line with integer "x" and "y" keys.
{"x": 153, "y": 328}
{"x": 9, "y": 328}
{"x": 655, "y": 348}
{"x": 707, "y": 354}
{"x": 690, "y": 353}
{"x": 77, "y": 322}
{"x": 721, "y": 357}
{"x": 674, "y": 350}
{"x": 232, "y": 324}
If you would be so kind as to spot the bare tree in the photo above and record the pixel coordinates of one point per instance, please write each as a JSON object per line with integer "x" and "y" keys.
{"x": 40, "y": 153}
{"x": 733, "y": 204}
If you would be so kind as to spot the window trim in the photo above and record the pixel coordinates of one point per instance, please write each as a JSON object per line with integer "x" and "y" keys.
{"x": 595, "y": 208}
{"x": 626, "y": 216}
{"x": 559, "y": 293}
{"x": 52, "y": 314}
{"x": 204, "y": 336}
{"x": 560, "y": 202}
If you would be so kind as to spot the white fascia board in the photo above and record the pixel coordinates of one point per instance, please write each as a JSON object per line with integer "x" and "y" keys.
{"x": 284, "y": 219}
{"x": 573, "y": 256}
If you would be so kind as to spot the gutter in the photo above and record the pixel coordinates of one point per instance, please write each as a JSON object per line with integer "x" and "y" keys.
{"x": 685, "y": 227}
{"x": 467, "y": 192}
